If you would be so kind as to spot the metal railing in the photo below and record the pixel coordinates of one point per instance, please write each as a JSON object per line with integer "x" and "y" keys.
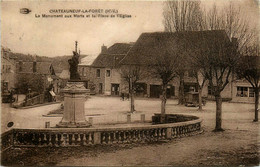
{"x": 39, "y": 99}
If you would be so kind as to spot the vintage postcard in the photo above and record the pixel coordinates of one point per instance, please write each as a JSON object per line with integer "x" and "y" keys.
{"x": 130, "y": 83}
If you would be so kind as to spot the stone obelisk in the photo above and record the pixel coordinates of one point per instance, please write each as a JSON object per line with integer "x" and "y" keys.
{"x": 74, "y": 97}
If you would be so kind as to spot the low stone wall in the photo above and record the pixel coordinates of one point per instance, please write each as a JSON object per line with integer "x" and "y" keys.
{"x": 172, "y": 118}
{"x": 39, "y": 99}
{"x": 64, "y": 137}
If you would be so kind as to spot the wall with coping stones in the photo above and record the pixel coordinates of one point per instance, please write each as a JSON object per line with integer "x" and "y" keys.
{"x": 65, "y": 137}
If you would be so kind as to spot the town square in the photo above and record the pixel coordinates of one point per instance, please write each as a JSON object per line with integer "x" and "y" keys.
{"x": 175, "y": 83}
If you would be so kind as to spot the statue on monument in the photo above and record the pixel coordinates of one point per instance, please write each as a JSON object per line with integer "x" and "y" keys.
{"x": 74, "y": 98}
{"x": 73, "y": 62}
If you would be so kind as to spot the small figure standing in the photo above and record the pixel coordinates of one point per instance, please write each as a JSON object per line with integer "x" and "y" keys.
{"x": 127, "y": 96}
{"x": 11, "y": 98}
{"x": 123, "y": 96}
{"x": 73, "y": 62}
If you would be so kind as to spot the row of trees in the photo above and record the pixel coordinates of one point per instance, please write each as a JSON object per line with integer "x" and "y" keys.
{"x": 215, "y": 61}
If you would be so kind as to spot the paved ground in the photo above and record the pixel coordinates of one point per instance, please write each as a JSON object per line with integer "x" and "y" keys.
{"x": 237, "y": 145}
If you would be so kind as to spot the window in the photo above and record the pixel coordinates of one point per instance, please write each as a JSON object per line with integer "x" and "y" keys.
{"x": 20, "y": 67}
{"x": 98, "y": 73}
{"x": 211, "y": 91}
{"x": 108, "y": 73}
{"x": 191, "y": 73}
{"x": 242, "y": 91}
{"x": 82, "y": 72}
{"x": 4, "y": 86}
{"x": 251, "y": 92}
{"x": 8, "y": 69}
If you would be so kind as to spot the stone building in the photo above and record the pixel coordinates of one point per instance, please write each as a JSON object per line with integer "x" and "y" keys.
{"x": 242, "y": 90}
{"x": 8, "y": 75}
{"x": 36, "y": 69}
{"x": 103, "y": 75}
{"x": 146, "y": 47}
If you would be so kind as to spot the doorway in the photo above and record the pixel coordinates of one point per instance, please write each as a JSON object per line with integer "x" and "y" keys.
{"x": 100, "y": 88}
{"x": 115, "y": 89}
{"x": 155, "y": 91}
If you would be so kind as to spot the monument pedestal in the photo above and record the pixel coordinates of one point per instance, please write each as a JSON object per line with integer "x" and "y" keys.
{"x": 74, "y": 100}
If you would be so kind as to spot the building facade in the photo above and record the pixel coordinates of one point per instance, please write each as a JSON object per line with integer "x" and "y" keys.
{"x": 105, "y": 74}
{"x": 8, "y": 75}
{"x": 149, "y": 46}
{"x": 38, "y": 73}
{"x": 242, "y": 91}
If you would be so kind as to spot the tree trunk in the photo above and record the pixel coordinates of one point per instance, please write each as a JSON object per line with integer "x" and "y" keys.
{"x": 218, "y": 112}
{"x": 131, "y": 93}
{"x": 181, "y": 90}
{"x": 256, "y": 104}
{"x": 200, "y": 98}
{"x": 132, "y": 102}
{"x": 164, "y": 98}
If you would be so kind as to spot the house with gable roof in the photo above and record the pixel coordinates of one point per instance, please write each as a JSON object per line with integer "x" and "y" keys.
{"x": 103, "y": 75}
{"x": 146, "y": 48}
{"x": 36, "y": 69}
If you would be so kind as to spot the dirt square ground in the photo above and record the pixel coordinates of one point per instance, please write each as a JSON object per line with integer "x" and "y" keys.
{"x": 237, "y": 145}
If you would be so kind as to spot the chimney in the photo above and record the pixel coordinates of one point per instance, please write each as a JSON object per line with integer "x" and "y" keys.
{"x": 20, "y": 66}
{"x": 34, "y": 66}
{"x": 34, "y": 63}
{"x": 103, "y": 49}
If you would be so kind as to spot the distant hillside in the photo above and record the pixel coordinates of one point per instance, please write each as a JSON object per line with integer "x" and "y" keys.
{"x": 59, "y": 62}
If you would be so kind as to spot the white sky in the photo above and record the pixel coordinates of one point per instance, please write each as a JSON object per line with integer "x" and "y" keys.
{"x": 23, "y": 33}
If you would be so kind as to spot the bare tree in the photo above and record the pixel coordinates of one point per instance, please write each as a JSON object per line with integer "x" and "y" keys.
{"x": 249, "y": 68}
{"x": 237, "y": 28}
{"x": 233, "y": 21}
{"x": 186, "y": 15}
{"x": 179, "y": 16}
{"x": 131, "y": 74}
{"x": 217, "y": 58}
{"x": 165, "y": 66}
{"x": 182, "y": 16}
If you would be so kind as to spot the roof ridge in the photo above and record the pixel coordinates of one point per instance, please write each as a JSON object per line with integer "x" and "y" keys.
{"x": 144, "y": 46}
{"x": 176, "y": 32}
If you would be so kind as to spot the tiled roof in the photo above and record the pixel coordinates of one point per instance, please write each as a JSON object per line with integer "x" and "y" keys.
{"x": 153, "y": 44}
{"x": 112, "y": 56}
{"x": 119, "y": 48}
